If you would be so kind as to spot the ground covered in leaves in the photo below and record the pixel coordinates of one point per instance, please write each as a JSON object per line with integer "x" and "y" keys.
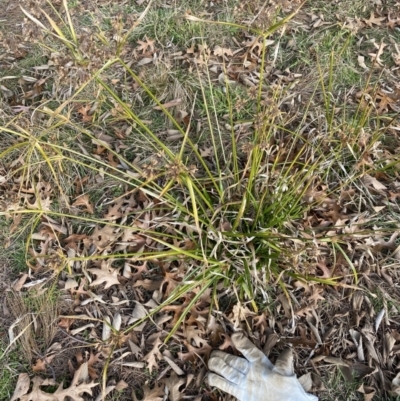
{"x": 128, "y": 253}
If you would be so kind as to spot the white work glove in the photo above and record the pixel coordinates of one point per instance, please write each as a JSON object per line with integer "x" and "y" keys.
{"x": 255, "y": 378}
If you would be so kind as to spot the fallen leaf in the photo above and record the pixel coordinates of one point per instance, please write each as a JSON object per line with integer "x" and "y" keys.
{"x": 306, "y": 381}
{"x": 77, "y": 387}
{"x": 103, "y": 237}
{"x": 106, "y": 275}
{"x": 396, "y": 384}
{"x": 392, "y": 23}
{"x": 374, "y": 20}
{"x": 221, "y": 52}
{"x": 174, "y": 383}
{"x": 240, "y": 314}
{"x": 121, "y": 385}
{"x": 146, "y": 45}
{"x": 20, "y": 283}
{"x": 74, "y": 392}
{"x": 168, "y": 105}
{"x": 376, "y": 57}
{"x": 41, "y": 365}
{"x": 372, "y": 182}
{"x": 22, "y": 386}
{"x": 83, "y": 200}
{"x": 144, "y": 61}
{"x": 154, "y": 355}
{"x": 84, "y": 110}
{"x": 155, "y": 394}
{"x": 174, "y": 366}
{"x": 207, "y": 151}
{"x": 368, "y": 392}
{"x": 37, "y": 394}
{"x": 195, "y": 353}
{"x": 324, "y": 268}
{"x": 361, "y": 62}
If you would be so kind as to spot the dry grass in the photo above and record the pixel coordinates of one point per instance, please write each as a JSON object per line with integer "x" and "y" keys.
{"x": 37, "y": 316}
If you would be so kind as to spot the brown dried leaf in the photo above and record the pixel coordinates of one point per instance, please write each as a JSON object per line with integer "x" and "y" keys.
{"x": 396, "y": 384}
{"x": 193, "y": 335}
{"x": 306, "y": 381}
{"x": 207, "y": 151}
{"x": 361, "y": 62}
{"x": 214, "y": 331}
{"x": 316, "y": 292}
{"x": 368, "y": 392}
{"x": 324, "y": 268}
{"x": 374, "y": 20}
{"x": 121, "y": 385}
{"x": 170, "y": 282}
{"x": 103, "y": 237}
{"x": 194, "y": 353}
{"x": 19, "y": 284}
{"x": 73, "y": 392}
{"x": 16, "y": 222}
{"x": 376, "y": 57}
{"x": 168, "y": 105}
{"x": 84, "y": 110}
{"x": 174, "y": 383}
{"x": 154, "y": 394}
{"x": 260, "y": 323}
{"x": 221, "y": 52}
{"x": 114, "y": 211}
{"x": 146, "y": 45}
{"x": 83, "y": 200}
{"x": 76, "y": 389}
{"x": 392, "y": 23}
{"x": 370, "y": 181}
{"x": 40, "y": 204}
{"x": 106, "y": 275}
{"x": 22, "y": 386}
{"x": 37, "y": 394}
{"x": 144, "y": 61}
{"x": 378, "y": 244}
{"x": 154, "y": 355}
{"x": 240, "y": 314}
{"x": 173, "y": 365}
{"x": 93, "y": 359}
{"x": 149, "y": 285}
{"x": 41, "y": 364}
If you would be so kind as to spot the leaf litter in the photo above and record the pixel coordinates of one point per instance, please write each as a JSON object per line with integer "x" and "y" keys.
{"x": 106, "y": 293}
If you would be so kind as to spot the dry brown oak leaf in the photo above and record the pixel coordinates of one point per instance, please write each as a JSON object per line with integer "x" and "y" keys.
{"x": 106, "y": 275}
{"x": 74, "y": 391}
{"x": 154, "y": 394}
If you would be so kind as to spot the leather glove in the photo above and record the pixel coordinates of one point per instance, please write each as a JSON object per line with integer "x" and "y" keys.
{"x": 255, "y": 378}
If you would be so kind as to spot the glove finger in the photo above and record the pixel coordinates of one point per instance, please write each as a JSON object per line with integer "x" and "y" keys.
{"x": 223, "y": 384}
{"x": 249, "y": 350}
{"x": 284, "y": 363}
{"x": 236, "y": 362}
{"x": 219, "y": 366}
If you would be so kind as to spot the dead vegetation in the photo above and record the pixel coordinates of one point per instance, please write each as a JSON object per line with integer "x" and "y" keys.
{"x": 176, "y": 177}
